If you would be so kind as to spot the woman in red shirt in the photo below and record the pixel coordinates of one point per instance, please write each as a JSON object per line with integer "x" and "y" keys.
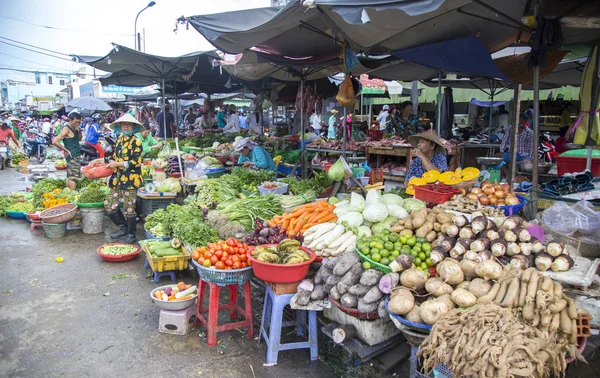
{"x": 5, "y": 133}
{"x": 559, "y": 144}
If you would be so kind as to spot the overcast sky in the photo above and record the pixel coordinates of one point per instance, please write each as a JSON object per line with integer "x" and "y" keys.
{"x": 88, "y": 27}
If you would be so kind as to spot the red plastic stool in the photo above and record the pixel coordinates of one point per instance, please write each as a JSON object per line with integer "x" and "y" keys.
{"x": 212, "y": 324}
{"x": 36, "y": 224}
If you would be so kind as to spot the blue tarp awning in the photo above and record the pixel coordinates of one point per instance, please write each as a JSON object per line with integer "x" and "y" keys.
{"x": 463, "y": 55}
{"x": 486, "y": 104}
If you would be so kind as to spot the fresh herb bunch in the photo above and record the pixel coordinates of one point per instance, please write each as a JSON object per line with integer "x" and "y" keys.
{"x": 246, "y": 210}
{"x": 185, "y": 222}
{"x": 91, "y": 194}
{"x": 318, "y": 183}
{"x": 400, "y": 192}
{"x": 254, "y": 177}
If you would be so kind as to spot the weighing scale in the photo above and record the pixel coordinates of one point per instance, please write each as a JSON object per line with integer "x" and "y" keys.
{"x": 490, "y": 169}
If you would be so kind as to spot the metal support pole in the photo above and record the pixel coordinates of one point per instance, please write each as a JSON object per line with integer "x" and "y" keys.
{"x": 513, "y": 136}
{"x": 439, "y": 103}
{"x": 414, "y": 97}
{"x": 536, "y": 133}
{"x": 490, "y": 120}
{"x": 164, "y": 110}
{"x": 344, "y": 133}
{"x": 303, "y": 147}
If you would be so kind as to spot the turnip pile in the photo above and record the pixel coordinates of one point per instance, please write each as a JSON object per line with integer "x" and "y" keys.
{"x": 489, "y": 341}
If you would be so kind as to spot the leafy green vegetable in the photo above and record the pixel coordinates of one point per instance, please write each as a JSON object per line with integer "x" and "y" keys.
{"x": 318, "y": 183}
{"x": 185, "y": 222}
{"x": 254, "y": 177}
{"x": 247, "y": 210}
{"x": 21, "y": 207}
{"x": 45, "y": 186}
{"x": 91, "y": 194}
{"x": 336, "y": 172}
{"x": 400, "y": 192}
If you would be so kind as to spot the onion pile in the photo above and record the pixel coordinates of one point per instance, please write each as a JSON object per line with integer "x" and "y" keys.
{"x": 493, "y": 194}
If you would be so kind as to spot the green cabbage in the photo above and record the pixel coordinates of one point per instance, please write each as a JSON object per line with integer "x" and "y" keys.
{"x": 363, "y": 231}
{"x": 375, "y": 212}
{"x": 352, "y": 218}
{"x": 411, "y": 204}
{"x": 168, "y": 185}
{"x": 389, "y": 198}
{"x": 383, "y": 225}
{"x": 357, "y": 202}
{"x": 397, "y": 211}
{"x": 336, "y": 171}
{"x": 373, "y": 196}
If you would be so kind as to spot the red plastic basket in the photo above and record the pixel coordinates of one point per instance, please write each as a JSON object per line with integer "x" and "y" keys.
{"x": 434, "y": 193}
{"x": 326, "y": 193}
{"x": 571, "y": 164}
{"x": 119, "y": 258}
{"x": 279, "y": 273}
{"x": 375, "y": 135}
{"x": 96, "y": 172}
{"x": 327, "y": 166}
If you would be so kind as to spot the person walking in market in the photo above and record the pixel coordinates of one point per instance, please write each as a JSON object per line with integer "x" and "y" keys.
{"x": 524, "y": 144}
{"x": 126, "y": 179}
{"x": 93, "y": 134}
{"x": 70, "y": 135}
{"x": 6, "y": 134}
{"x": 331, "y": 125}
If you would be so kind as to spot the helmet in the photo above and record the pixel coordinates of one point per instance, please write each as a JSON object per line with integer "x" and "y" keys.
{"x": 529, "y": 112}
{"x": 74, "y": 115}
{"x": 87, "y": 119}
{"x": 96, "y": 116}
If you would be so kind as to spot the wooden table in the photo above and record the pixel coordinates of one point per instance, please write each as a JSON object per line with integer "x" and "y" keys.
{"x": 475, "y": 151}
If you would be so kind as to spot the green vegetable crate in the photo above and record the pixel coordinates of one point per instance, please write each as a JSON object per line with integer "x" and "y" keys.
{"x": 151, "y": 204}
{"x": 161, "y": 264}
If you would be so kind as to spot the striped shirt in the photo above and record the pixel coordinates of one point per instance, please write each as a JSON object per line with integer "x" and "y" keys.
{"x": 524, "y": 141}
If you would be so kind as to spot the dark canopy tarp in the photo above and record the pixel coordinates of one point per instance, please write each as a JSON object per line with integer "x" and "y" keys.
{"x": 137, "y": 69}
{"x": 372, "y": 26}
{"x": 462, "y": 55}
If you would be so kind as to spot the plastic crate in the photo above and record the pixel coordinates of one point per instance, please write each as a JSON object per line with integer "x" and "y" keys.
{"x": 281, "y": 189}
{"x": 286, "y": 169}
{"x": 224, "y": 277}
{"x": 150, "y": 236}
{"x": 571, "y": 164}
{"x": 427, "y": 194}
{"x": 149, "y": 205}
{"x": 375, "y": 135}
{"x": 161, "y": 264}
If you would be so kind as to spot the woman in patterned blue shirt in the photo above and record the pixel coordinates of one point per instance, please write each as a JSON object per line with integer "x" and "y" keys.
{"x": 429, "y": 153}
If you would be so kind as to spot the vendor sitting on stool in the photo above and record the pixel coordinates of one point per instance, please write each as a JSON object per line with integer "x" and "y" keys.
{"x": 252, "y": 155}
{"x": 126, "y": 178}
{"x": 429, "y": 153}
{"x": 524, "y": 143}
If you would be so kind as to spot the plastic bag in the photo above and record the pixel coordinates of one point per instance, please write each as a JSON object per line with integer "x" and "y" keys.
{"x": 581, "y": 217}
{"x": 165, "y": 152}
{"x": 345, "y": 95}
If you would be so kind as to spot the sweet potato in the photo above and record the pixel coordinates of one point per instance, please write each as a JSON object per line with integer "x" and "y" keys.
{"x": 349, "y": 301}
{"x": 345, "y": 262}
{"x": 331, "y": 263}
{"x": 319, "y": 275}
{"x": 511, "y": 293}
{"x": 490, "y": 295}
{"x": 370, "y": 277}
{"x": 331, "y": 282}
{"x": 501, "y": 292}
{"x": 373, "y": 295}
{"x": 334, "y": 293}
{"x": 381, "y": 311}
{"x": 351, "y": 277}
{"x": 388, "y": 281}
{"x": 318, "y": 293}
{"x": 358, "y": 290}
{"x": 365, "y": 307}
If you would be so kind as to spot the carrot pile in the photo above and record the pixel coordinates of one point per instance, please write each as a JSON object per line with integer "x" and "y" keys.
{"x": 304, "y": 217}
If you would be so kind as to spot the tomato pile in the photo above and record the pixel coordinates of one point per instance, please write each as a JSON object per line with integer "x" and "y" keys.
{"x": 223, "y": 255}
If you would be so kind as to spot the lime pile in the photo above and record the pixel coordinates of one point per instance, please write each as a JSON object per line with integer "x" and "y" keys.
{"x": 385, "y": 246}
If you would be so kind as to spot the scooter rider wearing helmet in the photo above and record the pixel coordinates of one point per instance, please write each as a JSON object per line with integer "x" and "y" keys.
{"x": 70, "y": 135}
{"x": 93, "y": 133}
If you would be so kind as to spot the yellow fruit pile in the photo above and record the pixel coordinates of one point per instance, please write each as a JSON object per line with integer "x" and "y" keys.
{"x": 55, "y": 198}
{"x": 448, "y": 178}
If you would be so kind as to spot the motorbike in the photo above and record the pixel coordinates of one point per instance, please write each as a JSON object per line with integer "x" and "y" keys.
{"x": 546, "y": 150}
{"x": 43, "y": 141}
{"x": 3, "y": 154}
{"x": 89, "y": 153}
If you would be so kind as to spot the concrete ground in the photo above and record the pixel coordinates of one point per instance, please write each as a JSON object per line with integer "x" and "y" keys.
{"x": 88, "y": 318}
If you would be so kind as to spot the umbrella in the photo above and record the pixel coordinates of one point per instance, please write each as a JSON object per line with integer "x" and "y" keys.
{"x": 587, "y": 126}
{"x": 89, "y": 103}
{"x": 447, "y": 114}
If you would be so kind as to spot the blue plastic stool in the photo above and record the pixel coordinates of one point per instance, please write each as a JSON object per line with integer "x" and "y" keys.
{"x": 273, "y": 318}
{"x": 157, "y": 275}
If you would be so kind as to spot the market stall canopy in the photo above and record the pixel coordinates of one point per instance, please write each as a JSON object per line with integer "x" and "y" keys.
{"x": 464, "y": 55}
{"x": 137, "y": 69}
{"x": 378, "y": 26}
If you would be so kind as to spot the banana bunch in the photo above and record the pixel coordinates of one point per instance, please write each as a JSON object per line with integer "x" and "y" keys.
{"x": 288, "y": 246}
{"x": 287, "y": 252}
{"x": 297, "y": 257}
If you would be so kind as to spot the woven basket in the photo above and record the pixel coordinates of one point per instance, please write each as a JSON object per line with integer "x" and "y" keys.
{"x": 583, "y": 249}
{"x": 59, "y": 214}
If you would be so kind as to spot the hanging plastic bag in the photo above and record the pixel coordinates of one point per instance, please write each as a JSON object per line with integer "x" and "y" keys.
{"x": 345, "y": 95}
{"x": 165, "y": 152}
